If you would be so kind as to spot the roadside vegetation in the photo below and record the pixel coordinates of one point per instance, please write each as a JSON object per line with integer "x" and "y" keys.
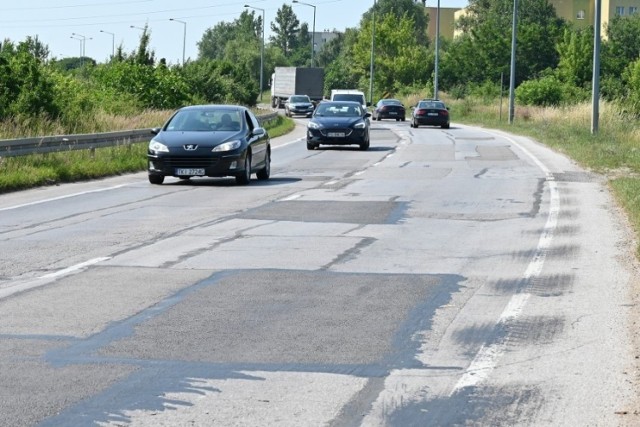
{"x": 40, "y": 95}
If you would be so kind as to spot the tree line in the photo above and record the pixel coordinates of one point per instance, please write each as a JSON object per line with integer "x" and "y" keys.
{"x": 553, "y": 66}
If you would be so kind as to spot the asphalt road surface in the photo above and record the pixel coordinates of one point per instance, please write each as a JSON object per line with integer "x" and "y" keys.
{"x": 442, "y": 278}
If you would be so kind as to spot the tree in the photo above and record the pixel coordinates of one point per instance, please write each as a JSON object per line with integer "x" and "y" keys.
{"x": 487, "y": 41}
{"x": 285, "y": 29}
{"x": 400, "y": 8}
{"x": 399, "y": 59}
{"x": 622, "y": 44}
{"x": 143, "y": 55}
{"x": 575, "y": 65}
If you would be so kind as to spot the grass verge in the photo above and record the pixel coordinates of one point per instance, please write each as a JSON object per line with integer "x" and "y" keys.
{"x": 23, "y": 172}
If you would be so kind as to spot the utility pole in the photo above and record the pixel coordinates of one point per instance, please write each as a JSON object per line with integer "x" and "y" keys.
{"x": 512, "y": 78}
{"x": 595, "y": 95}
{"x": 373, "y": 48}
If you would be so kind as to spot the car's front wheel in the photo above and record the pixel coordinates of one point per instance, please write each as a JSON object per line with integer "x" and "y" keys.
{"x": 263, "y": 174}
{"x": 245, "y": 176}
{"x": 156, "y": 179}
{"x": 311, "y": 146}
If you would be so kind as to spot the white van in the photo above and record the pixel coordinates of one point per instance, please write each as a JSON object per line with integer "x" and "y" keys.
{"x": 350, "y": 95}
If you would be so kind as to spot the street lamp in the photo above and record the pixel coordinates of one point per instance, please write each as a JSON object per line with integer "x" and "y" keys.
{"x": 313, "y": 34}
{"x": 83, "y": 38}
{"x": 113, "y": 42}
{"x": 261, "y": 49}
{"x": 184, "y": 36}
{"x": 80, "y": 40}
{"x": 83, "y": 41}
{"x": 435, "y": 76}
{"x": 137, "y": 28}
{"x": 373, "y": 46}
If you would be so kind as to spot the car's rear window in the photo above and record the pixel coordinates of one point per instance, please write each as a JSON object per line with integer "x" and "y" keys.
{"x": 431, "y": 104}
{"x": 299, "y": 99}
{"x": 348, "y": 97}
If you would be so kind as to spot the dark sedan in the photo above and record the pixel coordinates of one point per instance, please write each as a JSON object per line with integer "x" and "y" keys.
{"x": 389, "y": 109}
{"x": 430, "y": 112}
{"x": 210, "y": 140}
{"x": 298, "y": 105}
{"x": 338, "y": 123}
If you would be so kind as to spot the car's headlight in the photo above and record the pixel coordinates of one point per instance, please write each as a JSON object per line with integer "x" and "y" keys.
{"x": 313, "y": 125}
{"x": 158, "y": 147}
{"x": 227, "y": 146}
{"x": 360, "y": 125}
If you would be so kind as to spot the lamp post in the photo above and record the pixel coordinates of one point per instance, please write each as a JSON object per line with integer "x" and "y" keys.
{"x": 83, "y": 40}
{"x": 80, "y": 40}
{"x": 184, "y": 36}
{"x": 261, "y": 49}
{"x": 512, "y": 78}
{"x": 313, "y": 34}
{"x": 373, "y": 46}
{"x": 137, "y": 28}
{"x": 435, "y": 76}
{"x": 113, "y": 43}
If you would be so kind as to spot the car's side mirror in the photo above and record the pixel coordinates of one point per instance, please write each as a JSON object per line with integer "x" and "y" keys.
{"x": 259, "y": 131}
{"x": 155, "y": 131}
{"x": 367, "y": 114}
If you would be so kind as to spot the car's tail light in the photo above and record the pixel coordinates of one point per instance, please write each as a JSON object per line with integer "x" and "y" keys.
{"x": 444, "y": 113}
{"x": 421, "y": 112}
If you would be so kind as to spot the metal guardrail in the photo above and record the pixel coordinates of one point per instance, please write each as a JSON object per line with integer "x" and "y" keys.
{"x": 50, "y": 144}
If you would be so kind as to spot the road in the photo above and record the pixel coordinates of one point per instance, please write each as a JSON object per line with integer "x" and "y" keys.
{"x": 443, "y": 277}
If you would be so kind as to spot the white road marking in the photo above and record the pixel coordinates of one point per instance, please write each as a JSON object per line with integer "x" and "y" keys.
{"x": 53, "y": 199}
{"x": 21, "y": 286}
{"x": 487, "y": 357}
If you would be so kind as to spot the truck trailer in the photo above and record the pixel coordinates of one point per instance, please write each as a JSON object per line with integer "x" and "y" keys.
{"x": 287, "y": 81}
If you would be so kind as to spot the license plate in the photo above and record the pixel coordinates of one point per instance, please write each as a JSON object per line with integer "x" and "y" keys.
{"x": 393, "y": 113}
{"x": 335, "y": 134}
{"x": 432, "y": 114}
{"x": 190, "y": 171}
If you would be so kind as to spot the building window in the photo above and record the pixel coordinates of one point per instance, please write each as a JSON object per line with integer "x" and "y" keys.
{"x": 632, "y": 10}
{"x": 580, "y": 14}
{"x": 619, "y": 10}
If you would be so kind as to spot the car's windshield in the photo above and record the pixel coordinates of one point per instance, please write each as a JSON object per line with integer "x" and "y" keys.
{"x": 431, "y": 104}
{"x": 299, "y": 99}
{"x": 338, "y": 110}
{"x": 348, "y": 97}
{"x": 205, "y": 120}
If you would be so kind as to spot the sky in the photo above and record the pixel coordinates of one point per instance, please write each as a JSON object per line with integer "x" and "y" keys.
{"x": 66, "y": 26}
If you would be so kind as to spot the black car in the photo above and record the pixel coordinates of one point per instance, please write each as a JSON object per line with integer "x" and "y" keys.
{"x": 298, "y": 105}
{"x": 389, "y": 109}
{"x": 210, "y": 140}
{"x": 338, "y": 123}
{"x": 430, "y": 112}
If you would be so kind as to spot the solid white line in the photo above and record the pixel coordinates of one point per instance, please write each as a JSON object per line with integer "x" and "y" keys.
{"x": 73, "y": 268}
{"x": 47, "y": 278}
{"x": 53, "y": 199}
{"x": 487, "y": 357}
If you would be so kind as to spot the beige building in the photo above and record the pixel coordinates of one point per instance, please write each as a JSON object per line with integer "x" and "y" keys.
{"x": 579, "y": 12}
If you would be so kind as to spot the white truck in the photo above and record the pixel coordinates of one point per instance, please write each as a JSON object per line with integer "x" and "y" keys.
{"x": 288, "y": 81}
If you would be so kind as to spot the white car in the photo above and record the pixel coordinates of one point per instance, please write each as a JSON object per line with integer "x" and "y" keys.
{"x": 350, "y": 95}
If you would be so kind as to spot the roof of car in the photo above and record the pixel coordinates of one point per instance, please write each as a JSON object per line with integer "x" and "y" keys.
{"x": 214, "y": 106}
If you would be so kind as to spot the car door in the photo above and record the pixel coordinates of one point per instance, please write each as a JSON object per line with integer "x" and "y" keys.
{"x": 258, "y": 141}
